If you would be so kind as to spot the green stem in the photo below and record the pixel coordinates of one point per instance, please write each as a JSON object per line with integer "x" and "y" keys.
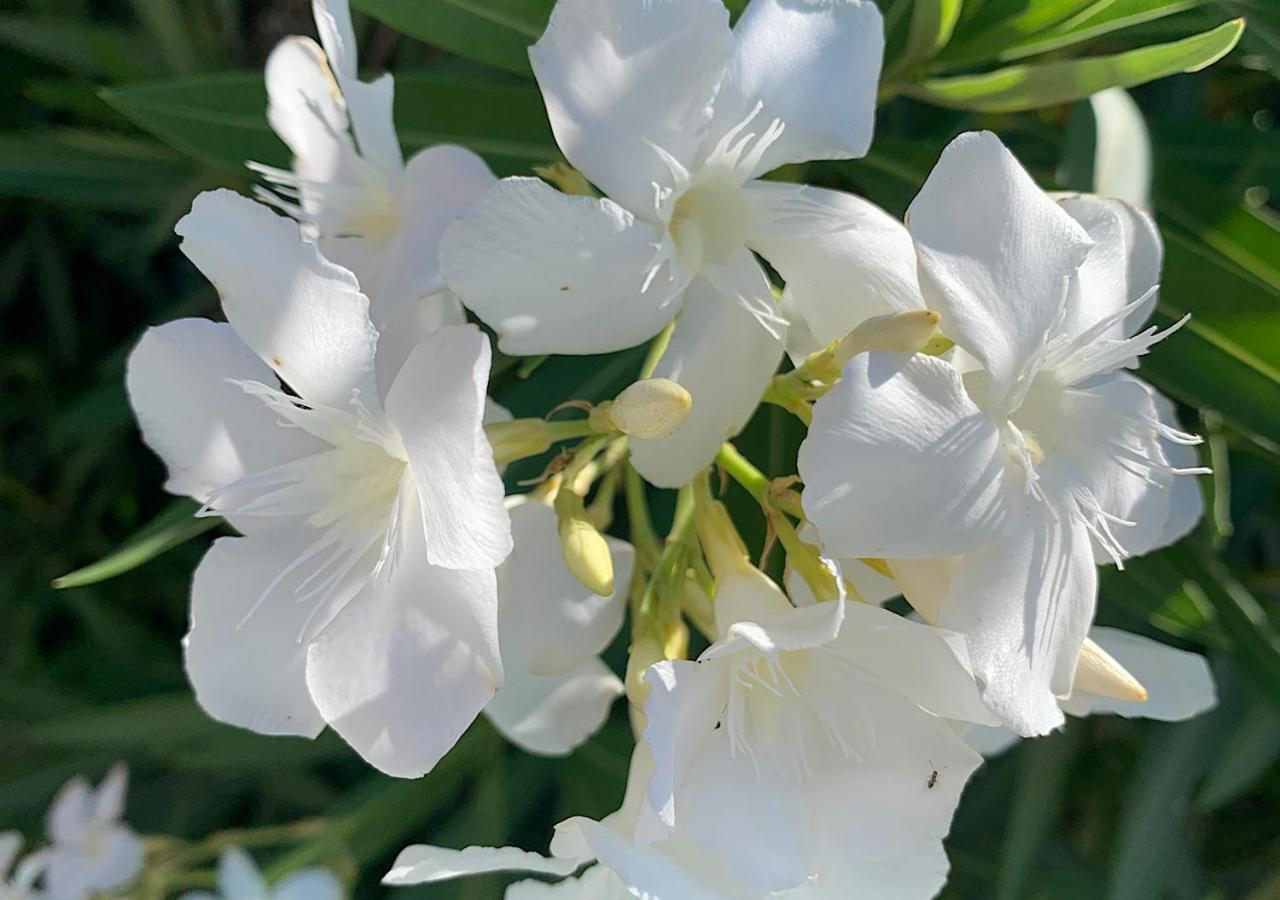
{"x": 656, "y": 349}
{"x": 678, "y": 543}
{"x": 643, "y": 536}
{"x": 741, "y": 470}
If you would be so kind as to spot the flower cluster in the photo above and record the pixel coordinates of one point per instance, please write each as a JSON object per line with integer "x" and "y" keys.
{"x": 977, "y": 442}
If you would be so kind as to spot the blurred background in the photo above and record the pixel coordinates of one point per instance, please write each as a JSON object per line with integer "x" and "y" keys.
{"x": 115, "y": 113}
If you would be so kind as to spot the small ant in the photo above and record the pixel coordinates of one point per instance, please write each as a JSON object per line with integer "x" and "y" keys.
{"x": 933, "y": 778}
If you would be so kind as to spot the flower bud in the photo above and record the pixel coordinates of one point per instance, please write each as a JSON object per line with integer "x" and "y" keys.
{"x": 587, "y": 555}
{"x": 652, "y": 408}
{"x": 1098, "y": 672}
{"x": 904, "y": 332}
{"x": 517, "y": 439}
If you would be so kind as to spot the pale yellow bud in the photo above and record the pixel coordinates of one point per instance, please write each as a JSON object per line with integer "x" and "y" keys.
{"x": 517, "y": 439}
{"x": 904, "y": 332}
{"x": 586, "y": 553}
{"x": 652, "y": 408}
{"x": 1098, "y": 672}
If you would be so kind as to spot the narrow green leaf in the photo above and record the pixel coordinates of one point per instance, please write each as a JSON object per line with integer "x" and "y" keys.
{"x": 174, "y": 526}
{"x": 987, "y": 35}
{"x": 1095, "y": 23}
{"x": 932, "y": 23}
{"x": 1043, "y": 764}
{"x": 1153, "y": 822}
{"x": 90, "y": 50}
{"x": 1031, "y": 86}
{"x": 221, "y": 119}
{"x": 497, "y": 32}
{"x": 1250, "y": 751}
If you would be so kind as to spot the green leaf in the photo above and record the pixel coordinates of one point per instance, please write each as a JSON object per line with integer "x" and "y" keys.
{"x": 1095, "y": 23}
{"x": 1249, "y": 752}
{"x": 1038, "y": 798}
{"x": 497, "y": 32}
{"x": 174, "y": 526}
{"x": 221, "y": 119}
{"x": 1031, "y": 86}
{"x": 92, "y": 50}
{"x": 999, "y": 26}
{"x": 932, "y": 23}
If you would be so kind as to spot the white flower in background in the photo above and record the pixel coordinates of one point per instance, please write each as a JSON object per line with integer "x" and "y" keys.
{"x": 363, "y": 593}
{"x": 1168, "y": 684}
{"x": 92, "y": 851}
{"x": 368, "y": 209}
{"x": 675, "y": 117}
{"x": 239, "y": 879}
{"x": 18, "y": 877}
{"x": 1004, "y": 479}
{"x": 552, "y": 629}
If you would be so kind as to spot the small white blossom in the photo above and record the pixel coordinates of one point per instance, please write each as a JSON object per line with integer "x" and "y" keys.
{"x": 239, "y": 879}
{"x": 993, "y": 482}
{"x": 363, "y": 592}
{"x": 18, "y": 876}
{"x": 675, "y": 117}
{"x": 366, "y": 208}
{"x": 92, "y": 851}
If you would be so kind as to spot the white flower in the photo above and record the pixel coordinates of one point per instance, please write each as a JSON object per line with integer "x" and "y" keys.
{"x": 674, "y": 117}
{"x": 552, "y": 629}
{"x": 363, "y": 593}
{"x": 18, "y": 877}
{"x": 991, "y": 482}
{"x": 367, "y": 209}
{"x": 92, "y": 850}
{"x": 1178, "y": 686}
{"x": 239, "y": 879}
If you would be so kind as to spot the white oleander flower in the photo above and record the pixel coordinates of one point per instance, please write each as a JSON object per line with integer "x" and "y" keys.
{"x": 92, "y": 851}
{"x": 552, "y": 629}
{"x": 363, "y": 592}
{"x": 1172, "y": 685}
{"x": 675, "y": 117}
{"x": 240, "y": 879}
{"x": 18, "y": 876}
{"x": 994, "y": 482}
{"x": 350, "y": 187}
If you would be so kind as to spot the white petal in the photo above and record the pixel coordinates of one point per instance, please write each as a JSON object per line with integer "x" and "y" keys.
{"x": 238, "y": 875}
{"x": 554, "y": 273}
{"x": 437, "y": 404}
{"x": 249, "y": 668}
{"x": 894, "y": 751}
{"x": 410, "y": 301}
{"x": 1025, "y": 604}
{"x": 844, "y": 261}
{"x": 309, "y": 884}
{"x": 725, "y": 359}
{"x": 921, "y": 872}
{"x": 10, "y": 846}
{"x": 990, "y": 741}
{"x": 1179, "y": 684}
{"x": 304, "y": 316}
{"x": 685, "y": 701}
{"x": 108, "y": 800}
{"x": 662, "y": 870}
{"x": 424, "y": 864}
{"x": 1186, "y": 502}
{"x": 900, "y": 462}
{"x": 1122, "y": 267}
{"x": 307, "y": 111}
{"x": 551, "y": 715}
{"x": 618, "y": 75}
{"x": 745, "y": 620}
{"x": 927, "y": 665}
{"x": 596, "y": 883}
{"x": 813, "y": 65}
{"x": 208, "y": 432}
{"x": 1122, "y": 148}
{"x": 368, "y": 102}
{"x": 71, "y": 812}
{"x": 76, "y": 872}
{"x": 407, "y": 666}
{"x": 548, "y": 622}
{"x": 996, "y": 254}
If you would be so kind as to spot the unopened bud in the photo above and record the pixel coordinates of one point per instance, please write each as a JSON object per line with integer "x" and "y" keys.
{"x": 904, "y": 332}
{"x": 587, "y": 555}
{"x": 517, "y": 439}
{"x": 651, "y": 409}
{"x": 1098, "y": 673}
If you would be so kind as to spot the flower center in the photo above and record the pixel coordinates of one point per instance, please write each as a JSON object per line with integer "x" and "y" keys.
{"x": 707, "y": 222}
